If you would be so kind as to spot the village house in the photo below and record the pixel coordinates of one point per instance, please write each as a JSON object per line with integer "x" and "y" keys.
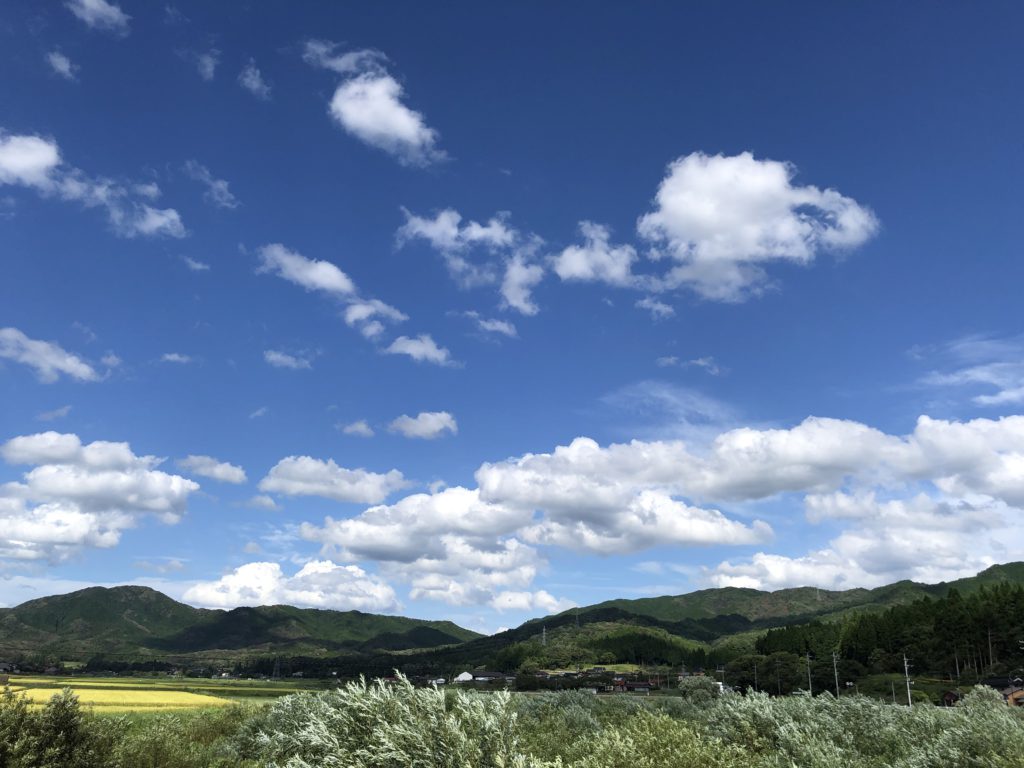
{"x": 485, "y": 676}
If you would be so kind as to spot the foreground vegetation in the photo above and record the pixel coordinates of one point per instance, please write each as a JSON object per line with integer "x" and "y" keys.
{"x": 394, "y": 726}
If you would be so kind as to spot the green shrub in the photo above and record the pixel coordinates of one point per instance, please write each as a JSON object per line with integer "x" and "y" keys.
{"x": 698, "y": 689}
{"x": 59, "y": 735}
{"x": 387, "y": 726}
{"x": 193, "y": 739}
{"x": 654, "y": 740}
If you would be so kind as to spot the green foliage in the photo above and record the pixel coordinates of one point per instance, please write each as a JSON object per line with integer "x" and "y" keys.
{"x": 653, "y": 740}
{"x": 394, "y": 726}
{"x": 62, "y": 735}
{"x": 201, "y": 739}
{"x": 699, "y": 690}
{"x": 59, "y": 735}
{"x": 386, "y": 726}
{"x": 976, "y": 636}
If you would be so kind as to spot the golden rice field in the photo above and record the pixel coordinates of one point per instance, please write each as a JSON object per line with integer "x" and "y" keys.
{"x": 119, "y": 695}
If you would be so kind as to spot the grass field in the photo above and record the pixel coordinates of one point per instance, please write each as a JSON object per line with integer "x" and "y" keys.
{"x": 136, "y": 694}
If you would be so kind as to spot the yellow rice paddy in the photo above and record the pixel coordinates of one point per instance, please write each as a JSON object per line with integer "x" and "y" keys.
{"x": 105, "y": 695}
{"x": 127, "y": 700}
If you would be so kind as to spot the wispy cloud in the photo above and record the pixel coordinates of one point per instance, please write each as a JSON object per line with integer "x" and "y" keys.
{"x": 252, "y": 80}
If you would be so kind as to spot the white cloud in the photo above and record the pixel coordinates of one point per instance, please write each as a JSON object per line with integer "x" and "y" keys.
{"x": 540, "y": 600}
{"x": 596, "y": 260}
{"x": 454, "y": 240}
{"x": 611, "y": 499}
{"x": 324, "y": 54}
{"x": 995, "y": 366}
{"x": 111, "y": 360}
{"x": 952, "y": 489}
{"x": 262, "y": 501}
{"x": 651, "y": 518}
{"x": 421, "y": 349}
{"x": 62, "y": 65}
{"x": 318, "y": 584}
{"x": 446, "y": 232}
{"x": 217, "y": 192}
{"x": 310, "y": 274}
{"x": 207, "y": 466}
{"x": 708, "y": 363}
{"x": 482, "y": 254}
{"x": 99, "y": 14}
{"x": 80, "y": 495}
{"x": 206, "y": 63}
{"x": 284, "y": 360}
{"x": 195, "y": 265}
{"x": 886, "y": 544}
{"x": 48, "y": 359}
{"x": 35, "y": 162}
{"x": 658, "y": 309}
{"x": 417, "y": 525}
{"x": 369, "y": 315}
{"x": 56, "y": 413}
{"x": 149, "y": 190}
{"x": 518, "y": 283}
{"x": 149, "y": 221}
{"x": 306, "y": 476}
{"x": 443, "y": 544}
{"x": 175, "y": 357}
{"x": 28, "y": 160}
{"x": 369, "y": 106}
{"x": 491, "y": 325}
{"x": 358, "y": 428}
{"x": 259, "y": 412}
{"x": 722, "y": 219}
{"x": 252, "y": 80}
{"x": 426, "y": 425}
{"x": 667, "y": 362}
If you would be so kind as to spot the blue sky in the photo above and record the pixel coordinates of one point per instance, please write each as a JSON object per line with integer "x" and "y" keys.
{"x": 484, "y": 311}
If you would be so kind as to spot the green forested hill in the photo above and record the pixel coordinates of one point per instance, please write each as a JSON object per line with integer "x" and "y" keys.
{"x": 759, "y": 606}
{"x": 139, "y": 622}
{"x": 700, "y": 628}
{"x": 706, "y": 627}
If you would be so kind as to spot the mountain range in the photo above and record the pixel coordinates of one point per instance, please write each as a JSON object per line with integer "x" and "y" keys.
{"x": 139, "y": 623}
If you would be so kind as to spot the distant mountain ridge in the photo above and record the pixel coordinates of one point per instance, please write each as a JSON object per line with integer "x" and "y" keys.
{"x": 714, "y": 618}
{"x": 141, "y": 622}
{"x": 761, "y": 606}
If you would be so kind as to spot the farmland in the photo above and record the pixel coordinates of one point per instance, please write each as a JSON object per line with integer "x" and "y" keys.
{"x": 112, "y": 695}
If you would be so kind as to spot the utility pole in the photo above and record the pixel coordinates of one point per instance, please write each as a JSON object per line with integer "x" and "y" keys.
{"x": 810, "y": 685}
{"x": 893, "y": 683}
{"x": 835, "y": 671}
{"x": 906, "y": 674}
{"x": 755, "y": 675}
{"x": 543, "y": 634}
